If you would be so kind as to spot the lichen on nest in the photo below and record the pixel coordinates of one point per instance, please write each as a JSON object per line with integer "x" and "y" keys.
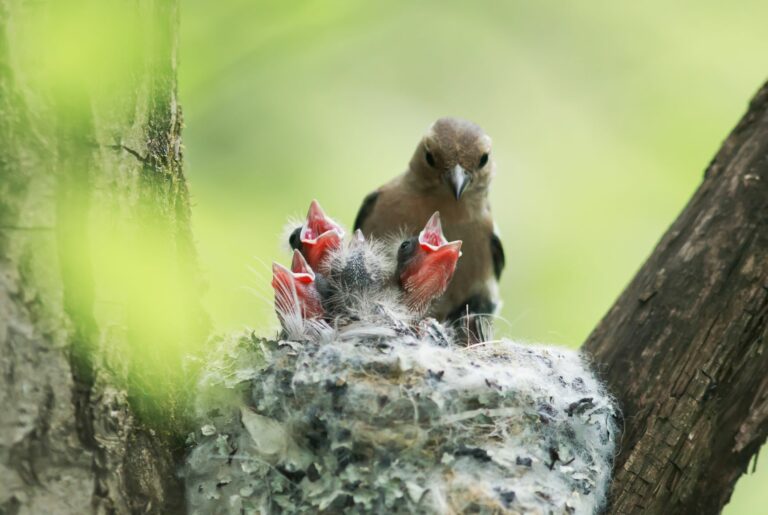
{"x": 398, "y": 421}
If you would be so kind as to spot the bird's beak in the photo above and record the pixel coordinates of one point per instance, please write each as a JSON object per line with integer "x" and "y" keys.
{"x": 441, "y": 254}
{"x": 318, "y": 223}
{"x": 428, "y": 276}
{"x": 294, "y": 292}
{"x": 300, "y": 272}
{"x": 300, "y": 269}
{"x": 280, "y": 275}
{"x": 319, "y": 235}
{"x": 316, "y": 250}
{"x": 459, "y": 179}
{"x": 358, "y": 239}
{"x": 443, "y": 260}
{"x": 286, "y": 299}
{"x": 431, "y": 238}
{"x": 432, "y": 234}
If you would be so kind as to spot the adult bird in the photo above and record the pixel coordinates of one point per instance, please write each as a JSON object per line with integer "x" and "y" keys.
{"x": 450, "y": 172}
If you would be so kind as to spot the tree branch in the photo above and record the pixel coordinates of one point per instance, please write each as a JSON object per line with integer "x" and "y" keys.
{"x": 684, "y": 346}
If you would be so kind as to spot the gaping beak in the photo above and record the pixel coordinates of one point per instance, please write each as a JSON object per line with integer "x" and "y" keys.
{"x": 281, "y": 277}
{"x": 300, "y": 269}
{"x": 431, "y": 238}
{"x": 295, "y": 291}
{"x": 442, "y": 263}
{"x": 318, "y": 223}
{"x": 446, "y": 255}
{"x": 459, "y": 179}
{"x": 286, "y": 298}
{"x": 316, "y": 250}
{"x": 428, "y": 274}
{"x": 358, "y": 239}
{"x": 319, "y": 235}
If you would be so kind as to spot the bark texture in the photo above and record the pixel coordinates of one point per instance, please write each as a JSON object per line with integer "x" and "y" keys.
{"x": 684, "y": 346}
{"x": 91, "y": 182}
{"x": 94, "y": 235}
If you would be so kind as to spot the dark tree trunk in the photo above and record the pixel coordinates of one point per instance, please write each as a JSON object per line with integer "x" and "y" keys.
{"x": 98, "y": 282}
{"x": 684, "y": 347}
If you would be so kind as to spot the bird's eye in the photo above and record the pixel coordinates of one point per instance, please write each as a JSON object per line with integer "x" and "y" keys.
{"x": 430, "y": 158}
{"x": 405, "y": 244}
{"x": 483, "y": 160}
{"x": 295, "y": 239}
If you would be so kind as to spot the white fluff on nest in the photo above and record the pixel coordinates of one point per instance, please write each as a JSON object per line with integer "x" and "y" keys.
{"x": 399, "y": 424}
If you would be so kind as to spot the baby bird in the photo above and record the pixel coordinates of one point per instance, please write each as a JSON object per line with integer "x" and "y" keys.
{"x": 450, "y": 172}
{"x": 363, "y": 278}
{"x": 359, "y": 276}
{"x": 317, "y": 236}
{"x": 425, "y": 265}
{"x": 298, "y": 294}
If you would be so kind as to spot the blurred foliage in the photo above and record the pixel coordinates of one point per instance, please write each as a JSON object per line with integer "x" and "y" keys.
{"x": 87, "y": 91}
{"x": 604, "y": 116}
{"x": 77, "y": 44}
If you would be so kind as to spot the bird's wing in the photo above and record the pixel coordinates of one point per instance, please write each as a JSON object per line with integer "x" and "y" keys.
{"x": 497, "y": 253}
{"x": 366, "y": 209}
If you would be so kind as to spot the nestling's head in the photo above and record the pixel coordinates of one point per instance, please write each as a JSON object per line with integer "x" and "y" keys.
{"x": 317, "y": 237}
{"x": 360, "y": 266}
{"x": 425, "y": 265}
{"x": 296, "y": 294}
{"x": 453, "y": 156}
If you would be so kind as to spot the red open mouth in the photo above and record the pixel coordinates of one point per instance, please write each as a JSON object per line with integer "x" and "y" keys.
{"x": 295, "y": 290}
{"x": 431, "y": 269}
{"x": 318, "y": 224}
{"x": 301, "y": 270}
{"x": 432, "y": 239}
{"x": 319, "y": 235}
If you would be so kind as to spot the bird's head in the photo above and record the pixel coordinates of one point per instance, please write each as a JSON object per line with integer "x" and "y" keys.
{"x": 425, "y": 265}
{"x": 358, "y": 276}
{"x": 455, "y": 156}
{"x": 317, "y": 237}
{"x": 296, "y": 294}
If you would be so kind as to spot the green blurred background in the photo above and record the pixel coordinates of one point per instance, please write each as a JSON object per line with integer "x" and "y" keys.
{"x": 604, "y": 116}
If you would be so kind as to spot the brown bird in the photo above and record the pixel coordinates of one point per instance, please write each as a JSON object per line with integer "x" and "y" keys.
{"x": 450, "y": 172}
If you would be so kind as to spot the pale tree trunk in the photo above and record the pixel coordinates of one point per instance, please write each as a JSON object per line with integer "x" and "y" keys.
{"x": 98, "y": 281}
{"x": 684, "y": 347}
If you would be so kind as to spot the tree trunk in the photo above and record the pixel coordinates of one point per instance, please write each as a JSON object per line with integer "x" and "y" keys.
{"x": 98, "y": 280}
{"x": 684, "y": 347}
{"x": 99, "y": 286}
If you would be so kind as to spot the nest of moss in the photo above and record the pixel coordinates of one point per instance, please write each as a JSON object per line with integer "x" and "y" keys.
{"x": 398, "y": 420}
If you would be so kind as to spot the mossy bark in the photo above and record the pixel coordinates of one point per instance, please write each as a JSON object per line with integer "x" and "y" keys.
{"x": 684, "y": 347}
{"x": 98, "y": 281}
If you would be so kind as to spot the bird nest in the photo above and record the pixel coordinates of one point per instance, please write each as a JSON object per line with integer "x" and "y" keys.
{"x": 392, "y": 418}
